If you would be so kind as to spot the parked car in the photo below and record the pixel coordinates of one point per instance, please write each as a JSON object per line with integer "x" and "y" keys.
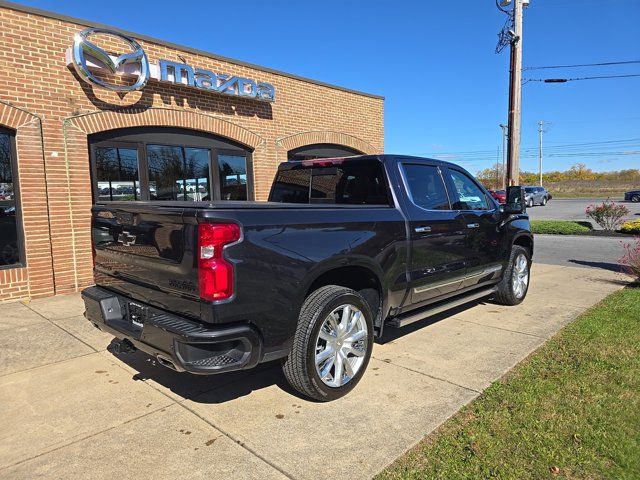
{"x": 499, "y": 195}
{"x": 344, "y": 249}
{"x": 536, "y": 196}
{"x": 632, "y": 196}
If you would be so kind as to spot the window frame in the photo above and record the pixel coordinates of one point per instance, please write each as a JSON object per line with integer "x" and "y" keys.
{"x": 491, "y": 203}
{"x": 193, "y": 139}
{"x": 407, "y": 189}
{"x": 20, "y": 239}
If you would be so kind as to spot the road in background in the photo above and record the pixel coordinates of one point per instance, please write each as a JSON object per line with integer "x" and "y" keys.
{"x": 579, "y": 251}
{"x": 574, "y": 208}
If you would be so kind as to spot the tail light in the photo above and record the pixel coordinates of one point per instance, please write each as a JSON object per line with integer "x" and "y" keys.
{"x": 215, "y": 274}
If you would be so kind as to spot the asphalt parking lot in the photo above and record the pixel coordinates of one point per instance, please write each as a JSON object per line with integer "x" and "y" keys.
{"x": 580, "y": 251}
{"x": 574, "y": 209}
{"x": 72, "y": 409}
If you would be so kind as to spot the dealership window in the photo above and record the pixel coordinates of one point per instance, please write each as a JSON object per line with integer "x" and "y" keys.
{"x": 233, "y": 177}
{"x": 158, "y": 163}
{"x": 11, "y": 248}
{"x": 117, "y": 173}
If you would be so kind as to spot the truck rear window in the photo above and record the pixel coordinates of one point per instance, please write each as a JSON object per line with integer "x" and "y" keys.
{"x": 352, "y": 183}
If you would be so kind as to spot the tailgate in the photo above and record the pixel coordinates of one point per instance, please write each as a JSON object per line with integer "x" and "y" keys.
{"x": 146, "y": 251}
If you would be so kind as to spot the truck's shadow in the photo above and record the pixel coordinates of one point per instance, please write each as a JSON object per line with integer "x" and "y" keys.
{"x": 205, "y": 388}
{"x": 215, "y": 389}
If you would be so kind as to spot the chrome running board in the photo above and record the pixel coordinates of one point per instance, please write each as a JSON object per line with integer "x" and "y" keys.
{"x": 428, "y": 311}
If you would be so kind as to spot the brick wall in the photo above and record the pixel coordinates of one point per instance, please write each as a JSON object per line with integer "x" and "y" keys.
{"x": 42, "y": 98}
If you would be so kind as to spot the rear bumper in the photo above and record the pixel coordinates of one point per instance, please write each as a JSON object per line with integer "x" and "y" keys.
{"x": 178, "y": 343}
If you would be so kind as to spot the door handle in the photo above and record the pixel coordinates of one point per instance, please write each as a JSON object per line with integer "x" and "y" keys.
{"x": 422, "y": 229}
{"x": 473, "y": 225}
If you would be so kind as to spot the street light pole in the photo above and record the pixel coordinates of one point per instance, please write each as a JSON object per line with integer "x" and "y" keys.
{"x": 515, "y": 96}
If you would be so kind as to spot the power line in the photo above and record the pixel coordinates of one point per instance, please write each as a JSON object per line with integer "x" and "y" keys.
{"x": 565, "y": 80}
{"x": 627, "y": 62}
{"x": 550, "y": 146}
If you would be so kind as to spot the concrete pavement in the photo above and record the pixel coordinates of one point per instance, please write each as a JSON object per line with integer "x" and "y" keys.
{"x": 71, "y": 409}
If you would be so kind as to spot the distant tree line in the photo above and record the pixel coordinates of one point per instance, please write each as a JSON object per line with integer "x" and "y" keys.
{"x": 492, "y": 177}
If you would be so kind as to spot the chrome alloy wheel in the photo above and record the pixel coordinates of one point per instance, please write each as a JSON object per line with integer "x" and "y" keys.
{"x": 341, "y": 345}
{"x": 520, "y": 276}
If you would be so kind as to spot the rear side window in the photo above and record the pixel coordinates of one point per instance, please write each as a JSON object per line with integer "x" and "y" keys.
{"x": 426, "y": 187}
{"x": 351, "y": 183}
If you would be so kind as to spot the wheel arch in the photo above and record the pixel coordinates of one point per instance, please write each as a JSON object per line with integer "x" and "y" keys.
{"x": 524, "y": 240}
{"x": 361, "y": 275}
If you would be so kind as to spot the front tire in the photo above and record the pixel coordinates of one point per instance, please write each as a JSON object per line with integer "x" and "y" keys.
{"x": 530, "y": 203}
{"x": 514, "y": 286}
{"x": 635, "y": 198}
{"x": 332, "y": 344}
{"x": 544, "y": 201}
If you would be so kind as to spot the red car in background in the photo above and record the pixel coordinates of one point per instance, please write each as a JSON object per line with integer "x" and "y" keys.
{"x": 499, "y": 195}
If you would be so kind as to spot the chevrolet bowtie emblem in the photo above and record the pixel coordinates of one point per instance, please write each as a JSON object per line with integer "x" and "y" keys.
{"x": 126, "y": 239}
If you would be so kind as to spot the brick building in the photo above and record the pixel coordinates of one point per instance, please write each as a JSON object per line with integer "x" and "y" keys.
{"x": 192, "y": 126}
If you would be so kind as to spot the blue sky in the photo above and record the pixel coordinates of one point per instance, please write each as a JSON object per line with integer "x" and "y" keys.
{"x": 434, "y": 61}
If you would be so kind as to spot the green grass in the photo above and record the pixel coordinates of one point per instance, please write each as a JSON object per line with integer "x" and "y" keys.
{"x": 559, "y": 227}
{"x": 570, "y": 410}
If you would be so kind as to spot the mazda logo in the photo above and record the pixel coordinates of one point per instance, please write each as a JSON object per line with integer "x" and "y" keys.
{"x": 83, "y": 48}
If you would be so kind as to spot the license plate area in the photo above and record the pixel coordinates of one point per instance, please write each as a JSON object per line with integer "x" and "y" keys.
{"x": 138, "y": 314}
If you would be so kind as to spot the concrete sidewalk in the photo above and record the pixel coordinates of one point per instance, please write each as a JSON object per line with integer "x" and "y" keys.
{"x": 71, "y": 409}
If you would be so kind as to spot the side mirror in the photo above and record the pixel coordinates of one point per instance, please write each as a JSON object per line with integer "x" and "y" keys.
{"x": 515, "y": 201}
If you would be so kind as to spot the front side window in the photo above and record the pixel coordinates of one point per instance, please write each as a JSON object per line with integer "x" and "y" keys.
{"x": 469, "y": 194}
{"x": 10, "y": 242}
{"x": 426, "y": 187}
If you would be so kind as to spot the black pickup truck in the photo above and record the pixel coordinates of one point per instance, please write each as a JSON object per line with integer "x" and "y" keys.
{"x": 345, "y": 248}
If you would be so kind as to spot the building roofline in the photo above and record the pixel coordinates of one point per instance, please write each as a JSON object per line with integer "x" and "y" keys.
{"x": 195, "y": 51}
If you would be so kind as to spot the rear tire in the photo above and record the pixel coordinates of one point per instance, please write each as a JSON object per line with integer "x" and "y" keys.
{"x": 328, "y": 364}
{"x": 544, "y": 201}
{"x": 514, "y": 285}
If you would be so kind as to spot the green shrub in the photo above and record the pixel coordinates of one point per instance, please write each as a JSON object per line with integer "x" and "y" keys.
{"x": 559, "y": 227}
{"x": 632, "y": 227}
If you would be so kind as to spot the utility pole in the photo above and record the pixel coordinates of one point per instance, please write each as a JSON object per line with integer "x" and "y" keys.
{"x": 505, "y": 129}
{"x": 515, "y": 95}
{"x": 540, "y": 131}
